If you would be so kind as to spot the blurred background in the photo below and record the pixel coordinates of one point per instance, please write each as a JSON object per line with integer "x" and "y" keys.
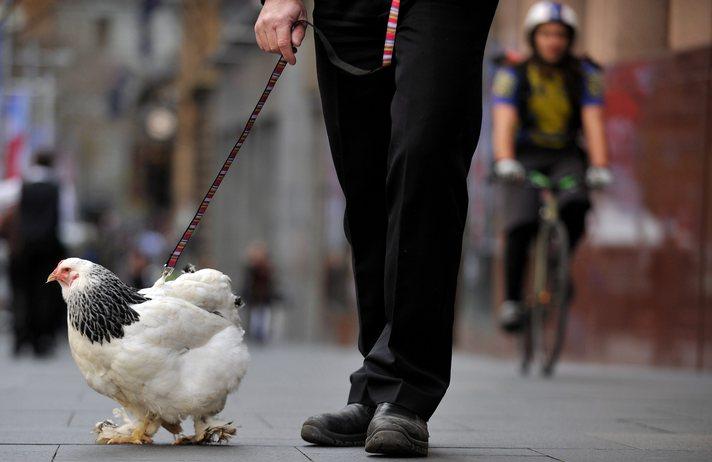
{"x": 129, "y": 107}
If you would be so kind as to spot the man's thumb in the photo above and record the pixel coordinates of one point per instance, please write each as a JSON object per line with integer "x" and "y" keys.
{"x": 298, "y": 35}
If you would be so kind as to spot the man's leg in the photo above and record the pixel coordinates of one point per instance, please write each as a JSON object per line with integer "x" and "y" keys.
{"x": 357, "y": 116}
{"x": 356, "y": 112}
{"x": 436, "y": 115}
{"x": 18, "y": 281}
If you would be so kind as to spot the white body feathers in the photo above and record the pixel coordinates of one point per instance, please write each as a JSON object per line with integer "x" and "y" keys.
{"x": 182, "y": 357}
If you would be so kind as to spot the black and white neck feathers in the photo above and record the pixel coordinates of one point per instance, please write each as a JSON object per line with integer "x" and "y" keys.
{"x": 101, "y": 308}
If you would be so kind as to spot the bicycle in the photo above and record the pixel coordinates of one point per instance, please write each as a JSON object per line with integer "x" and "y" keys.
{"x": 542, "y": 338}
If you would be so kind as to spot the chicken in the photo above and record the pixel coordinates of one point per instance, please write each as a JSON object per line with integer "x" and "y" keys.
{"x": 165, "y": 353}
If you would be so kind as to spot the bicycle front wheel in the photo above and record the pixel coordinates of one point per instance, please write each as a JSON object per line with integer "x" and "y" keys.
{"x": 551, "y": 285}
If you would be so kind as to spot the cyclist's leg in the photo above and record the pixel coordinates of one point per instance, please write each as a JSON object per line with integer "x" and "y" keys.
{"x": 573, "y": 214}
{"x": 516, "y": 251}
{"x": 436, "y": 115}
{"x": 573, "y": 205}
{"x": 357, "y": 117}
{"x": 521, "y": 222}
{"x": 521, "y": 204}
{"x": 573, "y": 202}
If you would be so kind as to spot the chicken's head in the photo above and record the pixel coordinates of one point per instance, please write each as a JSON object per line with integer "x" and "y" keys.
{"x": 71, "y": 273}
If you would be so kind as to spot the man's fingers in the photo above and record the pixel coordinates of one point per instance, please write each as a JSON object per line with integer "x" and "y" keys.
{"x": 272, "y": 46}
{"x": 258, "y": 35}
{"x": 298, "y": 35}
{"x": 265, "y": 40}
{"x": 261, "y": 37}
{"x": 273, "y": 29}
{"x": 284, "y": 41}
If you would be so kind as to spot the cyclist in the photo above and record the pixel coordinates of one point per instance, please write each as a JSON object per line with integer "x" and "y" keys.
{"x": 542, "y": 107}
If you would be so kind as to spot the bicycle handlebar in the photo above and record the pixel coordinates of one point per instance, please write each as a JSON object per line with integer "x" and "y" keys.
{"x": 539, "y": 180}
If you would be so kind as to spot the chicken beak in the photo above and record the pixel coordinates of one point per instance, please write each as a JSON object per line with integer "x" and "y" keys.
{"x": 52, "y": 277}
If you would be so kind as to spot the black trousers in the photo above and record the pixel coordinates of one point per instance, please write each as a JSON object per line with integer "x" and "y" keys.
{"x": 38, "y": 308}
{"x": 402, "y": 140}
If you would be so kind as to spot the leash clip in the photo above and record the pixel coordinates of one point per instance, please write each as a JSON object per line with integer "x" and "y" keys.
{"x": 167, "y": 271}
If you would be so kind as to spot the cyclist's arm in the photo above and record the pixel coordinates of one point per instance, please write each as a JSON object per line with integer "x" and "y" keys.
{"x": 594, "y": 132}
{"x": 594, "y": 129}
{"x": 504, "y": 120}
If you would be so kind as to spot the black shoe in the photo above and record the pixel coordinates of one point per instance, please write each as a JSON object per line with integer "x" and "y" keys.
{"x": 346, "y": 427}
{"x": 396, "y": 431}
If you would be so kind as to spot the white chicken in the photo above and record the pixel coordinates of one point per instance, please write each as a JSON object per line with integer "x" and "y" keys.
{"x": 164, "y": 353}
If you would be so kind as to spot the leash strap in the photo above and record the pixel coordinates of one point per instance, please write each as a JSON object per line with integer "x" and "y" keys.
{"x": 276, "y": 73}
{"x": 188, "y": 233}
{"x": 388, "y": 44}
{"x": 391, "y": 33}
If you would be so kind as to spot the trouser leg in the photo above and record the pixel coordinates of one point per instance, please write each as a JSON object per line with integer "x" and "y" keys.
{"x": 20, "y": 326}
{"x": 573, "y": 215}
{"x": 516, "y": 254}
{"x": 357, "y": 117}
{"x": 436, "y": 115}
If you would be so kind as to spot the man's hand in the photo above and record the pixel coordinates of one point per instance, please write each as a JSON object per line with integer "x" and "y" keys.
{"x": 273, "y": 29}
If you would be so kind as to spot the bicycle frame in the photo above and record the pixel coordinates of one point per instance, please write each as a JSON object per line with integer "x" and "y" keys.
{"x": 546, "y": 298}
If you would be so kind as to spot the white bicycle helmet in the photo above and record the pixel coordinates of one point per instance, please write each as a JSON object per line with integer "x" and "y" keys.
{"x": 544, "y": 12}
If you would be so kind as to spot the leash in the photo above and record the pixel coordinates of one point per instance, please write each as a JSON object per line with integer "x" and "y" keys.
{"x": 203, "y": 207}
{"x": 170, "y": 264}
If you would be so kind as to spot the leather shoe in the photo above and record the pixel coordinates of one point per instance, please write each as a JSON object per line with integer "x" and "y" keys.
{"x": 396, "y": 431}
{"x": 346, "y": 427}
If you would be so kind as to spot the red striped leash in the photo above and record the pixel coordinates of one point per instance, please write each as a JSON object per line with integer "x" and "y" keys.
{"x": 200, "y": 213}
{"x": 276, "y": 73}
{"x": 391, "y": 33}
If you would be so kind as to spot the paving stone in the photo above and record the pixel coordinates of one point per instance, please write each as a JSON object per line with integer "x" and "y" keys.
{"x": 157, "y": 453}
{"x": 662, "y": 441}
{"x": 26, "y": 453}
{"x": 601, "y": 455}
{"x": 435, "y": 454}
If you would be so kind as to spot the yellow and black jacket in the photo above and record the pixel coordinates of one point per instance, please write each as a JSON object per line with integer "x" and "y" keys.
{"x": 548, "y": 101}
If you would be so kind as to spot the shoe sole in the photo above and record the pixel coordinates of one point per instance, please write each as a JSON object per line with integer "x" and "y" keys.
{"x": 323, "y": 437}
{"x": 395, "y": 443}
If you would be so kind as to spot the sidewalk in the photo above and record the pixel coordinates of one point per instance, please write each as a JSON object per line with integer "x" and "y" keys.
{"x": 586, "y": 413}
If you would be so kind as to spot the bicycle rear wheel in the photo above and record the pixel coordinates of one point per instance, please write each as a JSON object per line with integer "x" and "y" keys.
{"x": 550, "y": 286}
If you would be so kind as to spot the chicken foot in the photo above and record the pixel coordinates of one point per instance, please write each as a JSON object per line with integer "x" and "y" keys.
{"x": 140, "y": 434}
{"x": 208, "y": 430}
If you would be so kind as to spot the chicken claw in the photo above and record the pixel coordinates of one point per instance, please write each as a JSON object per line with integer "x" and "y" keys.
{"x": 137, "y": 435}
{"x": 131, "y": 439}
{"x": 219, "y": 433}
{"x": 185, "y": 440}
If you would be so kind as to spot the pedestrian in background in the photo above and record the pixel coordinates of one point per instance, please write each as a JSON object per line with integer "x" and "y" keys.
{"x": 259, "y": 292}
{"x": 32, "y": 229}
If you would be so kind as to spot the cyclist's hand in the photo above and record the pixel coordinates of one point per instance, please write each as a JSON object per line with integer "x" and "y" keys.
{"x": 598, "y": 177}
{"x": 273, "y": 29}
{"x": 509, "y": 170}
